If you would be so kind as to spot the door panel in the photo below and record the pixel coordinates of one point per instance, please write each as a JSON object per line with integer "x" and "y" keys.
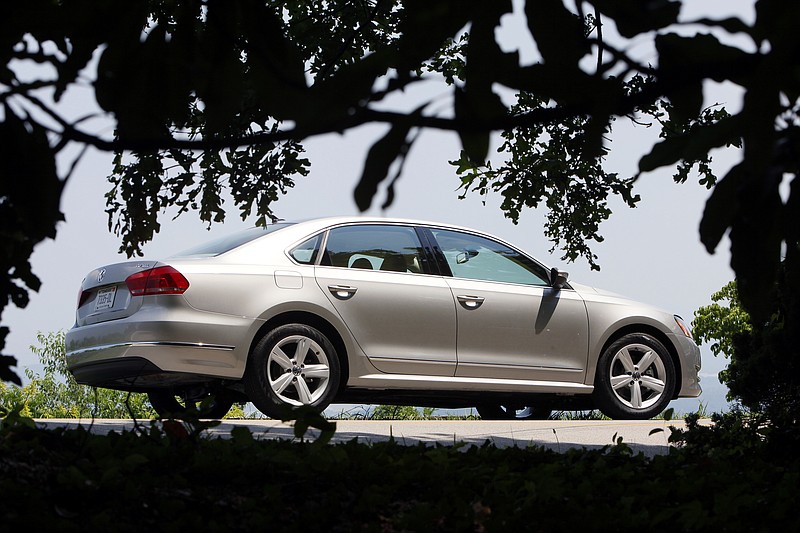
{"x": 404, "y": 323}
{"x": 511, "y": 323}
{"x": 376, "y": 276}
{"x": 520, "y": 332}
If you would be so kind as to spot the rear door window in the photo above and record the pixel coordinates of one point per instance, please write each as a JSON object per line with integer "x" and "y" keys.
{"x": 387, "y": 248}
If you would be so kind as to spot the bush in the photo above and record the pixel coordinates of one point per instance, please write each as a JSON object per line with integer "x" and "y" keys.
{"x": 56, "y": 394}
{"x": 764, "y": 370}
{"x": 401, "y": 412}
{"x": 168, "y": 479}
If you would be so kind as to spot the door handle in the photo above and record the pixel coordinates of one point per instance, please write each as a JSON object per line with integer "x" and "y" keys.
{"x": 470, "y": 302}
{"x": 342, "y": 292}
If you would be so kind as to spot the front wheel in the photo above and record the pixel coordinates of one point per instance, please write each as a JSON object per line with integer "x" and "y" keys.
{"x": 293, "y": 366}
{"x": 505, "y": 412}
{"x": 169, "y": 405}
{"x": 635, "y": 378}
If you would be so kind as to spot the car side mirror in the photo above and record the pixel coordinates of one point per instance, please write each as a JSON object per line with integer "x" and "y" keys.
{"x": 558, "y": 278}
{"x": 465, "y": 256}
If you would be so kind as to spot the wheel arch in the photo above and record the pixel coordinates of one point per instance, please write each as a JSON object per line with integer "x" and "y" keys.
{"x": 314, "y": 321}
{"x": 655, "y": 333}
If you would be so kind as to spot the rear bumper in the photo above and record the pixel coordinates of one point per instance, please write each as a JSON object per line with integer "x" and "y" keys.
{"x": 132, "y": 374}
{"x": 182, "y": 341}
{"x": 127, "y": 374}
{"x": 150, "y": 362}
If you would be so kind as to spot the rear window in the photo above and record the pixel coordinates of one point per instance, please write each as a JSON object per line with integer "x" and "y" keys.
{"x": 229, "y": 242}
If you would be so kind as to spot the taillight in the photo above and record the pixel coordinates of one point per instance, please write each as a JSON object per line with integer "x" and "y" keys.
{"x": 160, "y": 280}
{"x": 83, "y": 297}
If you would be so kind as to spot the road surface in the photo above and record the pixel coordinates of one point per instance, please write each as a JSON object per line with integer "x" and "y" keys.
{"x": 558, "y": 435}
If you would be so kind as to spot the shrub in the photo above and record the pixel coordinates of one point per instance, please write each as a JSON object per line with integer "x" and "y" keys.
{"x": 56, "y": 394}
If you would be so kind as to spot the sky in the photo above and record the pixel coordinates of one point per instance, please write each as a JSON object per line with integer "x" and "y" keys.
{"x": 651, "y": 253}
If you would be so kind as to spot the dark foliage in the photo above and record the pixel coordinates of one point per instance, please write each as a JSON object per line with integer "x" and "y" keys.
{"x": 168, "y": 479}
{"x": 763, "y": 375}
{"x": 764, "y": 372}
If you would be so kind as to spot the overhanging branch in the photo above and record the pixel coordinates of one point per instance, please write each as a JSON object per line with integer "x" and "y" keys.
{"x": 624, "y": 106}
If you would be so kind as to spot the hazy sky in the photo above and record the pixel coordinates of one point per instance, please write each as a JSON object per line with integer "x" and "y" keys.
{"x": 651, "y": 253}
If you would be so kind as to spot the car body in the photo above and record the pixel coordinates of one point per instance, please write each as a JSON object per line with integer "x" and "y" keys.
{"x": 374, "y": 310}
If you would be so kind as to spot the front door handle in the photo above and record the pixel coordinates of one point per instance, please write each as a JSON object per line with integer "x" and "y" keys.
{"x": 470, "y": 302}
{"x": 342, "y": 292}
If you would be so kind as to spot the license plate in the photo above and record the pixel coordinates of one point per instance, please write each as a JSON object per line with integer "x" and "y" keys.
{"x": 105, "y": 298}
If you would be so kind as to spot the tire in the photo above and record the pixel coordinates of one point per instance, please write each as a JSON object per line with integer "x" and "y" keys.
{"x": 169, "y": 405}
{"x": 504, "y": 412}
{"x": 635, "y": 378}
{"x": 293, "y": 366}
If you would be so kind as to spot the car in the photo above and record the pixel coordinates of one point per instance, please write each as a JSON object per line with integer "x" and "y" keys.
{"x": 362, "y": 310}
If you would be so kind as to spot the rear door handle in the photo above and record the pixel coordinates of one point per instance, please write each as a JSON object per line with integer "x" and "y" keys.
{"x": 342, "y": 292}
{"x": 470, "y": 302}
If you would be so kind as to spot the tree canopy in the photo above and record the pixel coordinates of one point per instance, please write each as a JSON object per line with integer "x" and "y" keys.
{"x": 208, "y": 95}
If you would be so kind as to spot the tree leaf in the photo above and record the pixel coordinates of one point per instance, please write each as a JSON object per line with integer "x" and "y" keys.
{"x": 691, "y": 147}
{"x": 687, "y": 57}
{"x": 425, "y": 28}
{"x": 474, "y": 106}
{"x": 634, "y": 17}
{"x": 380, "y": 157}
{"x": 731, "y": 24}
{"x": 558, "y": 32}
{"x": 756, "y": 239}
{"x": 722, "y": 208}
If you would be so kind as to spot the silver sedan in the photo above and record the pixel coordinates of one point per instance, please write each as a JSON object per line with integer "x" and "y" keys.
{"x": 373, "y": 310}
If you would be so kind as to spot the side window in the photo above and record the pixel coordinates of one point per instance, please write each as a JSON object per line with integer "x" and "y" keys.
{"x": 306, "y": 252}
{"x": 374, "y": 247}
{"x": 475, "y": 257}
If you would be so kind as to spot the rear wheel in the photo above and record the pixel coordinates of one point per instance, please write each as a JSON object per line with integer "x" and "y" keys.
{"x": 635, "y": 378}
{"x": 169, "y": 405}
{"x": 293, "y": 366}
{"x": 505, "y": 412}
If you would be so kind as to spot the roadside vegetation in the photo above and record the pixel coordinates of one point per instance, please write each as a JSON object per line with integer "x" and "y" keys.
{"x": 166, "y": 476}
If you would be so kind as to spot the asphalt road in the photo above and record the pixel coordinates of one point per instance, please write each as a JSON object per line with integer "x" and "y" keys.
{"x": 555, "y": 435}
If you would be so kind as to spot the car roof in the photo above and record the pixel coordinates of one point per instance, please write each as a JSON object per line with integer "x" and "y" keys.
{"x": 324, "y": 222}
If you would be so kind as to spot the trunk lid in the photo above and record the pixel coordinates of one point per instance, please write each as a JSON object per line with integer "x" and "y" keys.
{"x": 104, "y": 294}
